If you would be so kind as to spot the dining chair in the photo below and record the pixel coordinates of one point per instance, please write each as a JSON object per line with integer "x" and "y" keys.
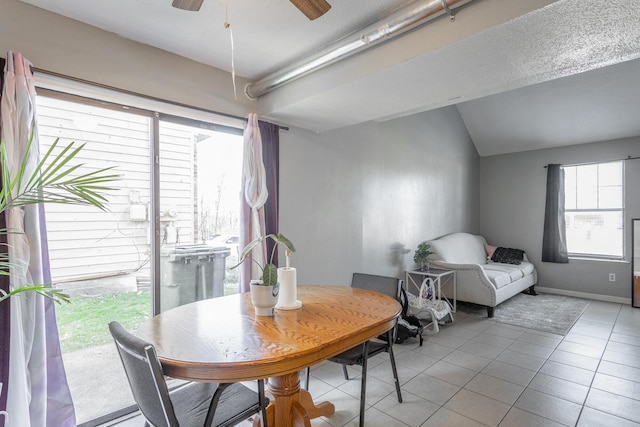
{"x": 360, "y": 354}
{"x": 192, "y": 404}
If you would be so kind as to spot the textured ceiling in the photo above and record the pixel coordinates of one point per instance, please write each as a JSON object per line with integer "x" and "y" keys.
{"x": 600, "y": 105}
{"x": 525, "y": 74}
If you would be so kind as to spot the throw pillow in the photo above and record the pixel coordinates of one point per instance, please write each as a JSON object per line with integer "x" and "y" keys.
{"x": 489, "y": 250}
{"x": 508, "y": 255}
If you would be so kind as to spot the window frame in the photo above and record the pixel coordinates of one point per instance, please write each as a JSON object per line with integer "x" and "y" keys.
{"x": 622, "y": 210}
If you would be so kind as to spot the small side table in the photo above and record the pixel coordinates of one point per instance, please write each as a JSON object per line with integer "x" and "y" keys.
{"x": 441, "y": 277}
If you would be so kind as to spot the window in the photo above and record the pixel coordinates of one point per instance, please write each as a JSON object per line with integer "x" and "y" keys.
{"x": 594, "y": 210}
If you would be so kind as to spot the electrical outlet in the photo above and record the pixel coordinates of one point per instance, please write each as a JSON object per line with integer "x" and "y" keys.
{"x": 612, "y": 277}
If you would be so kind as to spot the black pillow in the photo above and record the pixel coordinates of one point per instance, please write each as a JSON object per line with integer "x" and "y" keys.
{"x": 508, "y": 255}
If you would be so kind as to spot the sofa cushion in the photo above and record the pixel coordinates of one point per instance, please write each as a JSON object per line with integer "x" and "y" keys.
{"x": 513, "y": 271}
{"x": 498, "y": 277}
{"x": 526, "y": 268}
{"x": 489, "y": 249}
{"x": 508, "y": 255}
{"x": 502, "y": 274}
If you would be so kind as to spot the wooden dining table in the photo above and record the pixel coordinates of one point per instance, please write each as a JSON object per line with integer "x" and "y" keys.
{"x": 222, "y": 340}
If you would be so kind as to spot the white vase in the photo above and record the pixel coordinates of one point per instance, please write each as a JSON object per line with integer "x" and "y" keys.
{"x": 264, "y": 298}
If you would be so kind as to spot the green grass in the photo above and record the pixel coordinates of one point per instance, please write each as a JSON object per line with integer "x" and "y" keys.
{"x": 84, "y": 322}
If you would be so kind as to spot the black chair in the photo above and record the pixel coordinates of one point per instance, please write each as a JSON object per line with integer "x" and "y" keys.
{"x": 359, "y": 355}
{"x": 193, "y": 404}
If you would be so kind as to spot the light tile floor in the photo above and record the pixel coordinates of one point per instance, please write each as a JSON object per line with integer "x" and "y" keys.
{"x": 478, "y": 372}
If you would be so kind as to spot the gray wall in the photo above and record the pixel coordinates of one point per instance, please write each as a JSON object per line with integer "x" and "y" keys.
{"x": 362, "y": 198}
{"x": 512, "y": 200}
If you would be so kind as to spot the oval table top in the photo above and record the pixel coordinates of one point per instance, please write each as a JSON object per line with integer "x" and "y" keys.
{"x": 222, "y": 340}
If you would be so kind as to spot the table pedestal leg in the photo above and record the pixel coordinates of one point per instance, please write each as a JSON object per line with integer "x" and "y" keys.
{"x": 291, "y": 406}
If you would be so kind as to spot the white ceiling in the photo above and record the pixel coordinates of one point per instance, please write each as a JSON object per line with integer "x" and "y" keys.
{"x": 552, "y": 73}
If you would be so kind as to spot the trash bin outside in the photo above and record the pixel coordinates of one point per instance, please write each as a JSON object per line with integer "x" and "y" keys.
{"x": 190, "y": 273}
{"x": 212, "y": 267}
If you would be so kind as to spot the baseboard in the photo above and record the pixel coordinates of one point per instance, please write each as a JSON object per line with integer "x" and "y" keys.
{"x": 597, "y": 297}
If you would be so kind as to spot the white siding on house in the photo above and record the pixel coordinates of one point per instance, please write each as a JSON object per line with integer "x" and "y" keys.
{"x": 84, "y": 241}
{"x": 177, "y": 180}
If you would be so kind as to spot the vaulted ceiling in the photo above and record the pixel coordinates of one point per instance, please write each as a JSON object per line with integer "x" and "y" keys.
{"x": 524, "y": 75}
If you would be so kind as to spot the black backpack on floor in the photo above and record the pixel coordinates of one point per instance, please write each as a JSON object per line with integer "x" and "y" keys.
{"x": 408, "y": 326}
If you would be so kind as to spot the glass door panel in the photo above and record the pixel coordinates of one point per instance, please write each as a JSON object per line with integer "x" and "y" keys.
{"x": 200, "y": 180}
{"x": 100, "y": 258}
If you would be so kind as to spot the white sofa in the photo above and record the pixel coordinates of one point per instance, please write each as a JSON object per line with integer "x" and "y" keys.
{"x": 479, "y": 280}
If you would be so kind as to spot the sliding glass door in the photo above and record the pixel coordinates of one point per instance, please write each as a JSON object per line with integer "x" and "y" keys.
{"x": 170, "y": 234}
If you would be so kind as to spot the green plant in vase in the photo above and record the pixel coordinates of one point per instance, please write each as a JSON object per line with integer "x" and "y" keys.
{"x": 265, "y": 290}
{"x": 421, "y": 256}
{"x": 269, "y": 276}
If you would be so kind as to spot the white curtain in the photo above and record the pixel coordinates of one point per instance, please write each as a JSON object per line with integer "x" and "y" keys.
{"x": 255, "y": 196}
{"x": 37, "y": 392}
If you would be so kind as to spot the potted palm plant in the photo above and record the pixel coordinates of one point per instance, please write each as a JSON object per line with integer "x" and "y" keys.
{"x": 265, "y": 289}
{"x": 421, "y": 256}
{"x": 54, "y": 180}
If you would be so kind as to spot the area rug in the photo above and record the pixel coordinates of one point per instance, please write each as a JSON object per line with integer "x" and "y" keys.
{"x": 544, "y": 312}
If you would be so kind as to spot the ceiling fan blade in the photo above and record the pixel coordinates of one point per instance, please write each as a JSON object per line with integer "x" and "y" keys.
{"x": 193, "y": 5}
{"x": 311, "y": 8}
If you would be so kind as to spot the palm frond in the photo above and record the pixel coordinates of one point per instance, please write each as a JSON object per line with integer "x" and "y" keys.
{"x": 53, "y": 182}
{"x": 55, "y": 179}
{"x": 57, "y": 296}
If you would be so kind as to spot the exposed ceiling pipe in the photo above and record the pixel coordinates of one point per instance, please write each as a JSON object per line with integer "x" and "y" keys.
{"x": 402, "y": 20}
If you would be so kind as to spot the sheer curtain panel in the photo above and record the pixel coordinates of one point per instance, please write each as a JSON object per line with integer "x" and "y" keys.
{"x": 37, "y": 394}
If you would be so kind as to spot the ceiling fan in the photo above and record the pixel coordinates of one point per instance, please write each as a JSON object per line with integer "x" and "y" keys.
{"x": 312, "y": 9}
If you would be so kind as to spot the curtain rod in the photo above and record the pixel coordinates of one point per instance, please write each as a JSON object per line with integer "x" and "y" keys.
{"x": 130, "y": 92}
{"x": 149, "y": 97}
{"x": 601, "y": 161}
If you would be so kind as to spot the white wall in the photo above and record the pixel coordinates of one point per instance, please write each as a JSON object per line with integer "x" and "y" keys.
{"x": 512, "y": 212}
{"x": 361, "y": 199}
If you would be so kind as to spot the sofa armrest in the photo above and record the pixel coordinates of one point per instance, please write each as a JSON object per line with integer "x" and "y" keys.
{"x": 472, "y": 283}
{"x": 455, "y": 266}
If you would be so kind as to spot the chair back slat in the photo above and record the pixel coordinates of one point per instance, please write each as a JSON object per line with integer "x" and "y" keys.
{"x": 383, "y": 284}
{"x": 145, "y": 376}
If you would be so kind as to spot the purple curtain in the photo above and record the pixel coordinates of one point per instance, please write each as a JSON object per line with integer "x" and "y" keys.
{"x": 5, "y": 310}
{"x": 270, "y": 145}
{"x": 271, "y": 158}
